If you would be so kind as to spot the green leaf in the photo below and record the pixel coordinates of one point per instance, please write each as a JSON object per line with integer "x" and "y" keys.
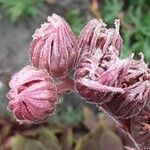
{"x": 102, "y": 138}
{"x": 16, "y": 9}
{"x": 111, "y": 9}
{"x": 91, "y": 141}
{"x": 72, "y": 117}
{"x": 75, "y": 20}
{"x": 49, "y": 139}
{"x": 20, "y": 142}
{"x": 67, "y": 139}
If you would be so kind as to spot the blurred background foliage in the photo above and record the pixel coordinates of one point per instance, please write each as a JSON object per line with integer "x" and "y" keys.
{"x": 75, "y": 125}
{"x": 16, "y": 9}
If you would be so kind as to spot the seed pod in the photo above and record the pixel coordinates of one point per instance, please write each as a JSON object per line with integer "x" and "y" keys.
{"x": 95, "y": 35}
{"x": 135, "y": 83}
{"x": 93, "y": 65}
{"x": 54, "y": 47}
{"x": 96, "y": 77}
{"x": 32, "y": 96}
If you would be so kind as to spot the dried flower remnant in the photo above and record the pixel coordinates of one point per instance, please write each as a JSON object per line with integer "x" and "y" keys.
{"x": 54, "y": 47}
{"x": 95, "y": 35}
{"x": 32, "y": 96}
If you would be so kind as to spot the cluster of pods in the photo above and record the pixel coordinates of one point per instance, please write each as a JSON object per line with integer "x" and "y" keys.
{"x": 91, "y": 66}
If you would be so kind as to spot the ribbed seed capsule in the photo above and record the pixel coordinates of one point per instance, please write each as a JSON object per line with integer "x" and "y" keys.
{"x": 54, "y": 47}
{"x": 95, "y": 36}
{"x": 32, "y": 96}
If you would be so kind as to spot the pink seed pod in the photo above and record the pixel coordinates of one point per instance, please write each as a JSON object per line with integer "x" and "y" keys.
{"x": 92, "y": 65}
{"x": 133, "y": 79}
{"x": 140, "y": 127}
{"x": 95, "y": 79}
{"x": 54, "y": 47}
{"x": 120, "y": 85}
{"x": 32, "y": 96}
{"x": 95, "y": 35}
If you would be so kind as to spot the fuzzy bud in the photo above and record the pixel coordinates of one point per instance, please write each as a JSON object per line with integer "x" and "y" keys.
{"x": 119, "y": 85}
{"x": 94, "y": 77}
{"x": 32, "y": 96}
{"x": 95, "y": 35}
{"x": 134, "y": 81}
{"x": 54, "y": 47}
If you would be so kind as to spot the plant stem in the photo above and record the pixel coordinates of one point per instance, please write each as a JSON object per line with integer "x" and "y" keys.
{"x": 66, "y": 84}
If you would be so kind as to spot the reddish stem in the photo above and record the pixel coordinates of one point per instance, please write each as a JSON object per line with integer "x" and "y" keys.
{"x": 66, "y": 84}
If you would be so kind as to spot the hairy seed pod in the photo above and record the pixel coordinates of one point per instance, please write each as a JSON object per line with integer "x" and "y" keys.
{"x": 32, "y": 96}
{"x": 95, "y": 35}
{"x": 94, "y": 78}
{"x": 136, "y": 86}
{"x": 93, "y": 65}
{"x": 54, "y": 47}
{"x": 119, "y": 85}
